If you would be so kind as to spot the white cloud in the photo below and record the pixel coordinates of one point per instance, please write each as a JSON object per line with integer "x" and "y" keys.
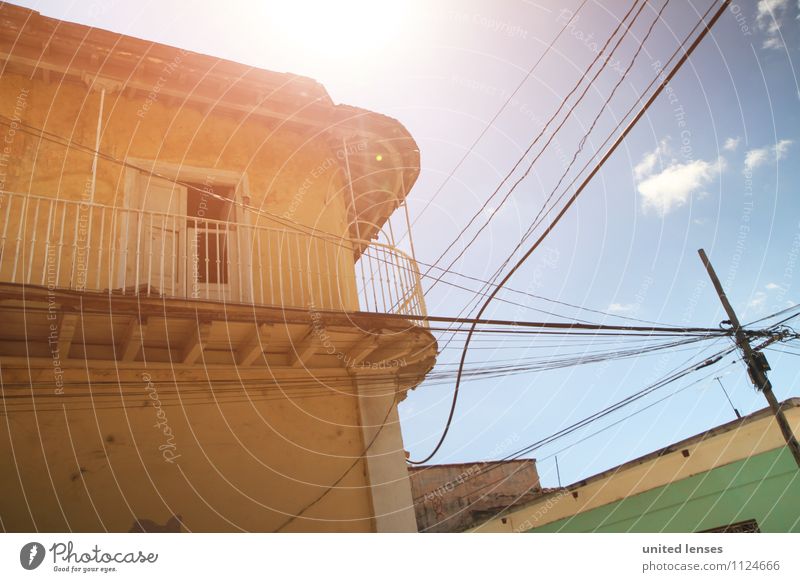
{"x": 646, "y": 166}
{"x": 766, "y": 7}
{"x": 731, "y": 144}
{"x": 769, "y": 16}
{"x": 760, "y": 156}
{"x": 622, "y": 308}
{"x": 757, "y": 301}
{"x": 755, "y": 158}
{"x": 781, "y": 148}
{"x": 648, "y": 163}
{"x": 672, "y": 187}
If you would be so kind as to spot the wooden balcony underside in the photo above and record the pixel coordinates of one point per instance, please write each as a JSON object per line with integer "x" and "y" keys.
{"x": 97, "y": 335}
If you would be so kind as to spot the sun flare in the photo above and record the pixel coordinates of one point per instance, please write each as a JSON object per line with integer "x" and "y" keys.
{"x": 350, "y": 30}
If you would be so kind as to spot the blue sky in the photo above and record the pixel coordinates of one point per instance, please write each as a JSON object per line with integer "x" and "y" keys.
{"x": 712, "y": 165}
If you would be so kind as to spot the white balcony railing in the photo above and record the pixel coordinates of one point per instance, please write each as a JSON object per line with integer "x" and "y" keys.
{"x": 65, "y": 244}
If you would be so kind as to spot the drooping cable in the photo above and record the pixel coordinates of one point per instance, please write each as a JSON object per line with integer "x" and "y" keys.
{"x": 667, "y": 78}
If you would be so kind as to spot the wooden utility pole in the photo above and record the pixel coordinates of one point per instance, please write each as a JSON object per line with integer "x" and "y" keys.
{"x": 756, "y": 363}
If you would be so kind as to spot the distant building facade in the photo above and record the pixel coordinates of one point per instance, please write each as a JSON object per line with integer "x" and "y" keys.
{"x": 738, "y": 477}
{"x": 454, "y": 497}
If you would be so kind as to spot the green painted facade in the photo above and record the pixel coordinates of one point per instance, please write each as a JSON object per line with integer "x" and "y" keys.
{"x": 765, "y": 487}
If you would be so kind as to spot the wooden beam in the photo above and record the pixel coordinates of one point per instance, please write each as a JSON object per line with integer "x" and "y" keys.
{"x": 422, "y": 351}
{"x": 300, "y": 353}
{"x": 66, "y": 333}
{"x": 252, "y": 348}
{"x": 362, "y": 349}
{"x": 398, "y": 357}
{"x": 133, "y": 340}
{"x": 190, "y": 309}
{"x": 193, "y": 349}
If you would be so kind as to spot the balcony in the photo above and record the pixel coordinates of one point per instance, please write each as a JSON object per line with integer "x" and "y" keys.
{"x": 255, "y": 260}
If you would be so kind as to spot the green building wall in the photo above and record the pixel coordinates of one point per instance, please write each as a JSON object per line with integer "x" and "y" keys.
{"x": 764, "y": 487}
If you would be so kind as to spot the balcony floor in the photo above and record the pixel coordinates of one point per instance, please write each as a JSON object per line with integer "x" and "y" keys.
{"x": 94, "y": 336}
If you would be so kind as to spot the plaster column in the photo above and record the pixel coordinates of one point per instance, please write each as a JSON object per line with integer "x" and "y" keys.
{"x": 385, "y": 459}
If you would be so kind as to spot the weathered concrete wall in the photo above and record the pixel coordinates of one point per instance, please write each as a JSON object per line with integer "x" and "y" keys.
{"x": 277, "y": 161}
{"x": 448, "y": 498}
{"x": 248, "y": 464}
{"x": 296, "y": 177}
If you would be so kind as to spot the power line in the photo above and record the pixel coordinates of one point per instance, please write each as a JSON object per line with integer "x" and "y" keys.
{"x": 608, "y": 139}
{"x": 630, "y": 110}
{"x": 783, "y": 351}
{"x": 600, "y": 112}
{"x": 781, "y": 312}
{"x": 594, "y": 434}
{"x": 341, "y": 242}
{"x": 582, "y": 440}
{"x": 541, "y": 134}
{"x": 568, "y": 204}
{"x": 613, "y": 408}
{"x": 671, "y": 377}
{"x": 218, "y": 386}
{"x": 70, "y": 143}
{"x": 540, "y": 217}
{"x": 569, "y": 326}
{"x": 488, "y": 284}
{"x": 222, "y": 391}
{"x": 496, "y": 116}
{"x": 603, "y": 145}
{"x": 343, "y": 475}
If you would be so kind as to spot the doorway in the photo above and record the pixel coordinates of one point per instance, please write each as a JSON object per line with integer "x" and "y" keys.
{"x": 181, "y": 238}
{"x": 210, "y": 236}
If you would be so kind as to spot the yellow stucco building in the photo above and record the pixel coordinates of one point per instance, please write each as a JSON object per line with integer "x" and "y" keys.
{"x": 737, "y": 477}
{"x": 194, "y": 268}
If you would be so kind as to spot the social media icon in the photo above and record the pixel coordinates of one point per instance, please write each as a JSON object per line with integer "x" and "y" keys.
{"x": 31, "y": 555}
